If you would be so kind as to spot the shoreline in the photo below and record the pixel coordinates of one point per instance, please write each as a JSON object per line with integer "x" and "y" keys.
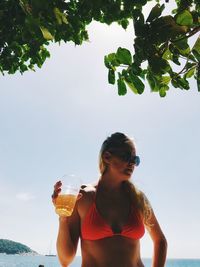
{"x": 54, "y": 255}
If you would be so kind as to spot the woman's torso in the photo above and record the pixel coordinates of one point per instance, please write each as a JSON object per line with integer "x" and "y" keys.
{"x": 114, "y": 243}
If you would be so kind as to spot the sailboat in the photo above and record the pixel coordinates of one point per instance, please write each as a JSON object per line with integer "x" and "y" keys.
{"x": 50, "y": 254}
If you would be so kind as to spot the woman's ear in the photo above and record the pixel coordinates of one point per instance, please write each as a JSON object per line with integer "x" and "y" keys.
{"x": 106, "y": 157}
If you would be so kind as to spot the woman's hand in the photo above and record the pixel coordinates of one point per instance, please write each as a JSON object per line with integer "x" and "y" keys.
{"x": 57, "y": 190}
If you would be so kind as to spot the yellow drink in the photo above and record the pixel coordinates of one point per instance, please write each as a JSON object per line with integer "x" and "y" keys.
{"x": 65, "y": 204}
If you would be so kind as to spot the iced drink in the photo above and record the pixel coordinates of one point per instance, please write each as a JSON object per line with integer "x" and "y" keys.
{"x": 66, "y": 199}
{"x": 65, "y": 204}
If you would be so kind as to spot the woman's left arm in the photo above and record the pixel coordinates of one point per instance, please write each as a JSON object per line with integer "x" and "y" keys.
{"x": 159, "y": 242}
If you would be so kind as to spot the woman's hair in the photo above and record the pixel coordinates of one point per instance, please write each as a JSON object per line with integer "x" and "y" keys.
{"x": 112, "y": 143}
{"x": 118, "y": 141}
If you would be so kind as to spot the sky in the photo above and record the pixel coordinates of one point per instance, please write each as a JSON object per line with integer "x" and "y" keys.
{"x": 53, "y": 121}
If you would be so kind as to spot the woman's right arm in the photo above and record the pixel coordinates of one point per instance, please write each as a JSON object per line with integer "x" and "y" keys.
{"x": 68, "y": 232}
{"x": 68, "y": 236}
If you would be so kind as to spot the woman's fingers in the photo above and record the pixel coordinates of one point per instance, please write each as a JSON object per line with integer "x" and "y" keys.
{"x": 57, "y": 185}
{"x": 56, "y": 192}
{"x": 57, "y": 189}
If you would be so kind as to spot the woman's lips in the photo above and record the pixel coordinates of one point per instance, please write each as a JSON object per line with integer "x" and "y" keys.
{"x": 129, "y": 170}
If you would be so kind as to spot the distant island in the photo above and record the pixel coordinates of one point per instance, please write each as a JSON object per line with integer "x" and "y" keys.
{"x": 11, "y": 247}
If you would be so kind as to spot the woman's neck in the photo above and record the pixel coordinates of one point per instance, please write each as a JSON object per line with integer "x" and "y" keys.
{"x": 109, "y": 184}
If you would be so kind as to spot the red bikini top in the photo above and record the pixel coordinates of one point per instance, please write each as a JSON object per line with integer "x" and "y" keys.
{"x": 94, "y": 226}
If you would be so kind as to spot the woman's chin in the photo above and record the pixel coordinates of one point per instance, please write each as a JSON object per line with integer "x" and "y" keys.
{"x": 127, "y": 173}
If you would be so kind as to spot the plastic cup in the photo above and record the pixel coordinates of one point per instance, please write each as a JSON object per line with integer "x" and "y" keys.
{"x": 66, "y": 200}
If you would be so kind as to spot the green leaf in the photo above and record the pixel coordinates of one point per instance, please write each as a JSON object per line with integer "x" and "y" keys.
{"x": 124, "y": 23}
{"x": 192, "y": 58}
{"x": 107, "y": 62}
{"x": 12, "y": 70}
{"x": 167, "y": 54}
{"x": 190, "y": 73}
{"x": 57, "y": 15}
{"x": 190, "y": 65}
{"x": 123, "y": 55}
{"x": 183, "y": 47}
{"x": 46, "y": 34}
{"x": 23, "y": 68}
{"x": 138, "y": 84}
{"x": 131, "y": 86}
{"x": 111, "y": 76}
{"x": 111, "y": 60}
{"x": 198, "y": 78}
{"x": 31, "y": 67}
{"x": 151, "y": 81}
{"x": 184, "y": 18}
{"x": 196, "y": 54}
{"x": 174, "y": 83}
{"x": 185, "y": 52}
{"x": 121, "y": 86}
{"x": 143, "y": 73}
{"x": 163, "y": 90}
{"x": 183, "y": 83}
{"x": 165, "y": 80}
{"x": 159, "y": 65}
{"x": 128, "y": 81}
{"x": 136, "y": 69}
{"x": 155, "y": 12}
{"x": 60, "y": 17}
{"x": 196, "y": 49}
{"x": 182, "y": 44}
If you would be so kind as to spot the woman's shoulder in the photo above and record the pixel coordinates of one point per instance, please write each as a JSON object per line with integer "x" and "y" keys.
{"x": 88, "y": 189}
{"x": 88, "y": 192}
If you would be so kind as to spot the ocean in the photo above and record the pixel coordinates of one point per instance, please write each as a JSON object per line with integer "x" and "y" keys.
{"x": 35, "y": 261}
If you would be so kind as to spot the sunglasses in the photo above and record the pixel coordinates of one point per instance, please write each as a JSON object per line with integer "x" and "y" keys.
{"x": 128, "y": 157}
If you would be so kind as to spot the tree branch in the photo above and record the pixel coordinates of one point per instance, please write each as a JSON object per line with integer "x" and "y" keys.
{"x": 191, "y": 33}
{"x": 184, "y": 68}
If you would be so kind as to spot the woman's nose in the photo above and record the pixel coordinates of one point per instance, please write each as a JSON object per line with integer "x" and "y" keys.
{"x": 131, "y": 163}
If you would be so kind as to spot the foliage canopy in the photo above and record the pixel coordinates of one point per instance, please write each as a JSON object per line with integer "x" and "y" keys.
{"x": 11, "y": 247}
{"x": 161, "y": 41}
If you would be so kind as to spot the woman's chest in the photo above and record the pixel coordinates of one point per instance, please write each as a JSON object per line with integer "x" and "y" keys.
{"x": 114, "y": 212}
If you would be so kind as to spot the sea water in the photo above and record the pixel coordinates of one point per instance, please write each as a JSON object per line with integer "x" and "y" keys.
{"x": 35, "y": 261}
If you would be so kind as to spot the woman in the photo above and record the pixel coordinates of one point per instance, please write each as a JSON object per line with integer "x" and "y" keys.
{"x": 110, "y": 216}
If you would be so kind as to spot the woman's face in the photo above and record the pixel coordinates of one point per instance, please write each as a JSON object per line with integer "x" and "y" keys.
{"x": 122, "y": 161}
{"x": 124, "y": 169}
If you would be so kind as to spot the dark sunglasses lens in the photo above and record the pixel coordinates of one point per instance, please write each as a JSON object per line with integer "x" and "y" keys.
{"x": 134, "y": 160}
{"x": 129, "y": 158}
{"x": 137, "y": 160}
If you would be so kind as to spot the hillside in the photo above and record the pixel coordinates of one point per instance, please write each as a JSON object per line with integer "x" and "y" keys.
{"x": 11, "y": 247}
